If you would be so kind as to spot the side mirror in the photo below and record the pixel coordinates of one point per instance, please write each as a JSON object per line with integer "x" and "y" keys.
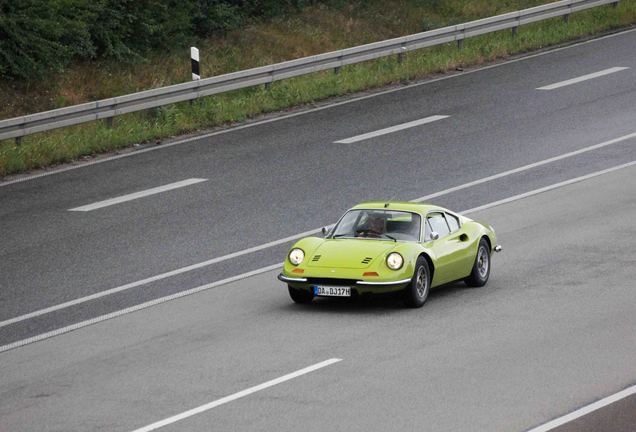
{"x": 324, "y": 231}
{"x": 434, "y": 235}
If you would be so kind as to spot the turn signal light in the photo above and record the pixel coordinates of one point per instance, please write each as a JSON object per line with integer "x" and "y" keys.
{"x": 370, "y": 274}
{"x": 297, "y": 270}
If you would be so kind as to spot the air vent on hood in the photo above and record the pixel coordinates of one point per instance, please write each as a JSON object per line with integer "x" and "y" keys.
{"x": 315, "y": 258}
{"x": 367, "y": 260}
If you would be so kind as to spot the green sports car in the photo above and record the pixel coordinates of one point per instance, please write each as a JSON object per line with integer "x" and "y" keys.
{"x": 381, "y": 247}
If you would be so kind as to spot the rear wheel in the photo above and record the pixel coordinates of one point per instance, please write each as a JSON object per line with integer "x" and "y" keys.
{"x": 481, "y": 269}
{"x": 300, "y": 296}
{"x": 416, "y": 293}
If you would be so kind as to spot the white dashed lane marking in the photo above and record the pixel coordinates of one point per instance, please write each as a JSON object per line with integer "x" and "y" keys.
{"x": 582, "y": 78}
{"x": 235, "y": 396}
{"x": 137, "y": 195}
{"x": 392, "y": 129}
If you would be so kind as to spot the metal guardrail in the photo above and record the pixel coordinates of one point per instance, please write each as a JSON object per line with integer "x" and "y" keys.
{"x": 108, "y": 108}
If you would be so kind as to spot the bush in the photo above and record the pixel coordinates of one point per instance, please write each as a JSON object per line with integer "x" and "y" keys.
{"x": 41, "y": 36}
{"x": 214, "y": 16}
{"x": 127, "y": 29}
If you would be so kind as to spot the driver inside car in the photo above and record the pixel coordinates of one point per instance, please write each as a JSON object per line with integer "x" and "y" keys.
{"x": 374, "y": 227}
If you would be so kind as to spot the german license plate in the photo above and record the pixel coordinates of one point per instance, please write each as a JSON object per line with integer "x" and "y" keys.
{"x": 332, "y": 291}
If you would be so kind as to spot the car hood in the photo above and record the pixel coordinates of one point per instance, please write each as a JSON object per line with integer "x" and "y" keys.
{"x": 348, "y": 253}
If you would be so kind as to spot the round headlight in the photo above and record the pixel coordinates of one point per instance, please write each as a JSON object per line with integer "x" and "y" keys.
{"x": 296, "y": 256}
{"x": 394, "y": 261}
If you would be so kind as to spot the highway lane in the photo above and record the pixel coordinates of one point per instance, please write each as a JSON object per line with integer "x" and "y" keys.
{"x": 551, "y": 332}
{"x": 470, "y": 197}
{"x": 50, "y": 255}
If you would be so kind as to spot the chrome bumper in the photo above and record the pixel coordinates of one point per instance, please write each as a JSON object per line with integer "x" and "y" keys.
{"x": 400, "y": 282}
{"x": 283, "y": 278}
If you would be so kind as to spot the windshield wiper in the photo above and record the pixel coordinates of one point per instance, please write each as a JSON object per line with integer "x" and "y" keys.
{"x": 349, "y": 236}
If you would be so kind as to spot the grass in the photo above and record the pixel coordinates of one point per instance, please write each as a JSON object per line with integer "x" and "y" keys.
{"x": 316, "y": 29}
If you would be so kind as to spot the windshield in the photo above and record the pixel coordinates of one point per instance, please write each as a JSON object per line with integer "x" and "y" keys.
{"x": 383, "y": 224}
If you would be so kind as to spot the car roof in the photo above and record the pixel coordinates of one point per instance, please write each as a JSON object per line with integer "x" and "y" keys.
{"x": 416, "y": 207}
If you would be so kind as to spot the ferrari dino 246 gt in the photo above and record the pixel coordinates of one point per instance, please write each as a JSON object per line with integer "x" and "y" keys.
{"x": 381, "y": 247}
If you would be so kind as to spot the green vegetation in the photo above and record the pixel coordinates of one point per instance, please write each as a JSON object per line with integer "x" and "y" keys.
{"x": 307, "y": 30}
{"x": 42, "y": 36}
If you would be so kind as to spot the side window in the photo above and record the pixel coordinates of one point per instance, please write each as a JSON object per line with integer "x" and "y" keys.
{"x": 453, "y": 222}
{"x": 438, "y": 224}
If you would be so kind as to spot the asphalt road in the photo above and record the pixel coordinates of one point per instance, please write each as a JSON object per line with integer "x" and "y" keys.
{"x": 552, "y": 330}
{"x": 503, "y": 358}
{"x": 281, "y": 178}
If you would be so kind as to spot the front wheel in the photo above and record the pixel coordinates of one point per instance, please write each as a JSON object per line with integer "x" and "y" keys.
{"x": 481, "y": 269}
{"x": 416, "y": 293}
{"x": 300, "y": 296}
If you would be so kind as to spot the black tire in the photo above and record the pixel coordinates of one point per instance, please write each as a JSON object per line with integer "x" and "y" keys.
{"x": 416, "y": 293}
{"x": 481, "y": 268}
{"x": 300, "y": 296}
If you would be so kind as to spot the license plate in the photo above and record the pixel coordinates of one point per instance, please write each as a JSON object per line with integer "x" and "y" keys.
{"x": 332, "y": 291}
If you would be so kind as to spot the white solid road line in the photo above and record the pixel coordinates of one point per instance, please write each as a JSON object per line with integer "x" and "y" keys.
{"x": 582, "y": 78}
{"x": 180, "y": 294}
{"x": 137, "y": 307}
{"x": 585, "y": 410}
{"x": 236, "y": 396}
{"x": 154, "y": 278}
{"x": 527, "y": 167}
{"x": 392, "y": 129}
{"x": 137, "y": 195}
{"x": 547, "y": 188}
{"x": 295, "y": 236}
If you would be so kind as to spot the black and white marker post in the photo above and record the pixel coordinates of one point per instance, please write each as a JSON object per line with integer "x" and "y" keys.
{"x": 194, "y": 58}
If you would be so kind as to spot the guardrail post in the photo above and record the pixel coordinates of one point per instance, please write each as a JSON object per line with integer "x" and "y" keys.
{"x": 109, "y": 122}
{"x": 400, "y": 55}
{"x": 615, "y": 4}
{"x": 514, "y": 31}
{"x": 566, "y": 18}
{"x": 460, "y": 43}
{"x": 268, "y": 84}
{"x": 18, "y": 140}
{"x": 336, "y": 70}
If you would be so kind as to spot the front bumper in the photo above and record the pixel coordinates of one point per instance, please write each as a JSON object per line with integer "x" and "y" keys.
{"x": 359, "y": 286}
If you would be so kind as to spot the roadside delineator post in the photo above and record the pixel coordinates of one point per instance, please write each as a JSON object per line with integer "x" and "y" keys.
{"x": 194, "y": 60}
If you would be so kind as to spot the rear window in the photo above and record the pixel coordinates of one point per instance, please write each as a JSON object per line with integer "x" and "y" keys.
{"x": 453, "y": 222}
{"x": 438, "y": 224}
